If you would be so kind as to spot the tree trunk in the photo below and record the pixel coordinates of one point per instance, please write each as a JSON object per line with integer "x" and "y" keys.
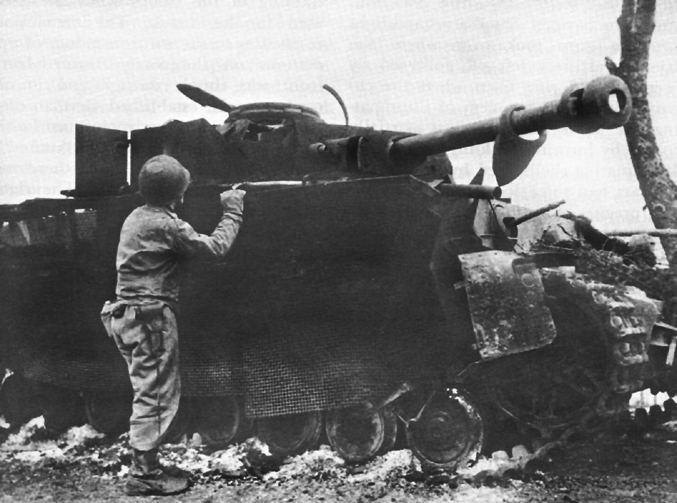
{"x": 660, "y": 192}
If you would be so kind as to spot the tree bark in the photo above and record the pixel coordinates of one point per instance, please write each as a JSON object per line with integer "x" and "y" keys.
{"x": 660, "y": 192}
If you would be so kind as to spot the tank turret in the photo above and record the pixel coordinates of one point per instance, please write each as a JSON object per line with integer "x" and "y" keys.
{"x": 603, "y": 103}
{"x": 284, "y": 141}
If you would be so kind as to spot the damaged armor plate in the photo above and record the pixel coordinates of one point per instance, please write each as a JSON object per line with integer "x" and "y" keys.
{"x": 505, "y": 297}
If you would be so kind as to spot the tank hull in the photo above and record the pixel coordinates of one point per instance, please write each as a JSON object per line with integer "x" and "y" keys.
{"x": 326, "y": 291}
{"x": 379, "y": 291}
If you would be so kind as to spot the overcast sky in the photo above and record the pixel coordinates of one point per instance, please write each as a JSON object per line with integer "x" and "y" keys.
{"x": 405, "y": 65}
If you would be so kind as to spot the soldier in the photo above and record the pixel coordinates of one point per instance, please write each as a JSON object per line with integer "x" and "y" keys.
{"x": 142, "y": 322}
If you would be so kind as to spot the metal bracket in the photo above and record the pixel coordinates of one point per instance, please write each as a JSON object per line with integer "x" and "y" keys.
{"x": 512, "y": 153}
{"x": 420, "y": 412}
{"x": 405, "y": 387}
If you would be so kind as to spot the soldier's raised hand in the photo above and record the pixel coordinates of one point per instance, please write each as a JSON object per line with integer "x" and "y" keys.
{"x": 233, "y": 200}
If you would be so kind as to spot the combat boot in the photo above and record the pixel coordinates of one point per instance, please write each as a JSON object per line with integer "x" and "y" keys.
{"x": 147, "y": 478}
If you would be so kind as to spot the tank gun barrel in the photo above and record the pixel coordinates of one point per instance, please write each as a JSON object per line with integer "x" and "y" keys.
{"x": 603, "y": 103}
{"x": 469, "y": 191}
{"x": 511, "y": 223}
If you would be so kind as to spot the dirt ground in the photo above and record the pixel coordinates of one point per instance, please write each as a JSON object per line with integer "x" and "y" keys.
{"x": 607, "y": 467}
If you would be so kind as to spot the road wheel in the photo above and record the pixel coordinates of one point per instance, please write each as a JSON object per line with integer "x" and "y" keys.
{"x": 290, "y": 434}
{"x": 108, "y": 414}
{"x": 360, "y": 432}
{"x": 447, "y": 432}
{"x": 390, "y": 433}
{"x": 220, "y": 420}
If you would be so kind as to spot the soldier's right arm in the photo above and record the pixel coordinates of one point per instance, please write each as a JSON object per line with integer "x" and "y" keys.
{"x": 189, "y": 243}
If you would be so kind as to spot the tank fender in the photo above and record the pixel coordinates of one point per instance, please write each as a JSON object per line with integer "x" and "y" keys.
{"x": 506, "y": 302}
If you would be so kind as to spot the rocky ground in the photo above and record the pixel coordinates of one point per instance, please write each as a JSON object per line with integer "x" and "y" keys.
{"x": 619, "y": 466}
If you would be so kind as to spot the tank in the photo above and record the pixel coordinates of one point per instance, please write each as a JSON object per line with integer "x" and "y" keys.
{"x": 366, "y": 293}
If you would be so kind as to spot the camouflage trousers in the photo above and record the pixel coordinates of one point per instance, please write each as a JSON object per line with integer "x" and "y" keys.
{"x": 147, "y": 336}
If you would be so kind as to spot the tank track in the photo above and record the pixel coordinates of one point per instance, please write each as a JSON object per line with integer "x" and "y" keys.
{"x": 599, "y": 357}
{"x": 623, "y": 316}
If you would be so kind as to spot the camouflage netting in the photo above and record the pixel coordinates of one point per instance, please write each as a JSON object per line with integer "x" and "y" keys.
{"x": 659, "y": 283}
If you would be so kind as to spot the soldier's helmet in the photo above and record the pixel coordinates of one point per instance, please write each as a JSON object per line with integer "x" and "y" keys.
{"x": 162, "y": 180}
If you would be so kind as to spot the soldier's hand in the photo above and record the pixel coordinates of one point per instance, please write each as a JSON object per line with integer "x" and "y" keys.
{"x": 233, "y": 200}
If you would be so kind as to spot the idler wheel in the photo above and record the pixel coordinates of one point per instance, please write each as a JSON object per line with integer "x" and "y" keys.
{"x": 447, "y": 432}
{"x": 290, "y": 434}
{"x": 360, "y": 432}
{"x": 220, "y": 420}
{"x": 108, "y": 414}
{"x": 18, "y": 403}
